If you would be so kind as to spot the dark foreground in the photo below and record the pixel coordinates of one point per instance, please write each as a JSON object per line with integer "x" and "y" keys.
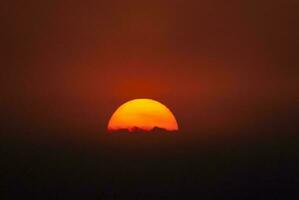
{"x": 150, "y": 166}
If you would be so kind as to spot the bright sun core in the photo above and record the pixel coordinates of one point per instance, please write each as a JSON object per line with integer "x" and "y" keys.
{"x": 144, "y": 114}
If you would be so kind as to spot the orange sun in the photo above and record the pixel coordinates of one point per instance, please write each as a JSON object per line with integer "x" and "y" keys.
{"x": 143, "y": 114}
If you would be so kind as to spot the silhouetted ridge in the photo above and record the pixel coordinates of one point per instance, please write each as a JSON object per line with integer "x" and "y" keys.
{"x": 141, "y": 130}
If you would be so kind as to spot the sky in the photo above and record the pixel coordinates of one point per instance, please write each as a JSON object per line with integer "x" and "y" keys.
{"x": 218, "y": 65}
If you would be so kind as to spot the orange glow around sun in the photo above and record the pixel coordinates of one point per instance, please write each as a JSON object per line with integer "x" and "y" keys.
{"x": 144, "y": 114}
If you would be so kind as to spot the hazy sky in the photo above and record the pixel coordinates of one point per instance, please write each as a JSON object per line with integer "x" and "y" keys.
{"x": 215, "y": 64}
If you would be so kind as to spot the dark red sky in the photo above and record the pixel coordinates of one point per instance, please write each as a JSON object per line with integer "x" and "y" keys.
{"x": 218, "y": 65}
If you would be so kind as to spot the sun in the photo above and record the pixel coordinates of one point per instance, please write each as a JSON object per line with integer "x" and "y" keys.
{"x": 142, "y": 114}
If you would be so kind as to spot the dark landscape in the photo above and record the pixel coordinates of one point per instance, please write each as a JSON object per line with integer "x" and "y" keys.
{"x": 151, "y": 166}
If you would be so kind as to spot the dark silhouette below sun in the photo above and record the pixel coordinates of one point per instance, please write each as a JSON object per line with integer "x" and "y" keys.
{"x": 135, "y": 129}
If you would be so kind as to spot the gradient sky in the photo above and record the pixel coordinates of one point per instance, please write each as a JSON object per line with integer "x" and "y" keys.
{"x": 218, "y": 65}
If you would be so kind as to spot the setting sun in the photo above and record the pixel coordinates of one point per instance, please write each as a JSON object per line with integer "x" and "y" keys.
{"x": 144, "y": 114}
